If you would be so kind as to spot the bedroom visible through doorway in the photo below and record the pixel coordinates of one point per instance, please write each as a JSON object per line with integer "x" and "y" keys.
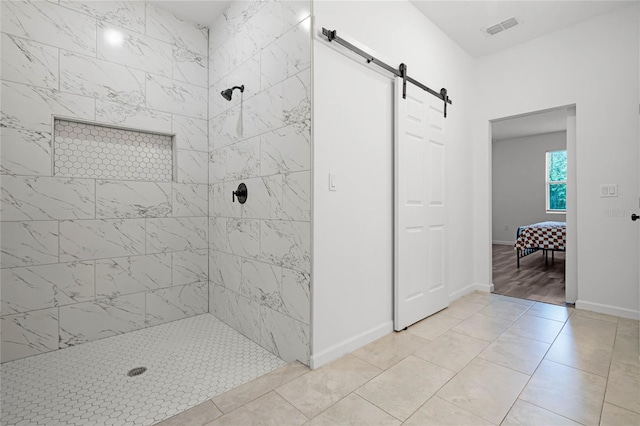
{"x": 530, "y": 204}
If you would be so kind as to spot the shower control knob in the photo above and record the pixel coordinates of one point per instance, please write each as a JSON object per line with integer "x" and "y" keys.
{"x": 241, "y": 193}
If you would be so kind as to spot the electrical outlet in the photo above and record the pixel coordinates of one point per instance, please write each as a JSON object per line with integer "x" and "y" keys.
{"x": 506, "y": 227}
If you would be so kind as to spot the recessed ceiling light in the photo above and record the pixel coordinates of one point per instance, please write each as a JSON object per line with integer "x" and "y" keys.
{"x": 113, "y": 37}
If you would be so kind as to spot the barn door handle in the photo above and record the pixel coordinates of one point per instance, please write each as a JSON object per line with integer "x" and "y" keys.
{"x": 634, "y": 217}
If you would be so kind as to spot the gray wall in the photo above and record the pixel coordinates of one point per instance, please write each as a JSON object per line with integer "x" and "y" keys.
{"x": 518, "y": 182}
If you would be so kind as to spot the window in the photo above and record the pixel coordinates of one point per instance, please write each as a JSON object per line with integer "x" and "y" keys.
{"x": 556, "y": 181}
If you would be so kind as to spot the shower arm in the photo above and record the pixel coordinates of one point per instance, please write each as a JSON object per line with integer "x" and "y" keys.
{"x": 228, "y": 93}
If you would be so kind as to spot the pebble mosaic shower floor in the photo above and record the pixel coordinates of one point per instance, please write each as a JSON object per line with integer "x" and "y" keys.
{"x": 188, "y": 361}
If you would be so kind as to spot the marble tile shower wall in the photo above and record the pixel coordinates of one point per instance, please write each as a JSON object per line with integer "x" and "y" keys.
{"x": 81, "y": 258}
{"x": 260, "y": 251}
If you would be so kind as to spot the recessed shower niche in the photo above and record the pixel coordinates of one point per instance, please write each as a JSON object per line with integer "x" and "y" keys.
{"x": 89, "y": 150}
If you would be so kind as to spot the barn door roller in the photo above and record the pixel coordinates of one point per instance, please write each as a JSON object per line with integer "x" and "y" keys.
{"x": 400, "y": 72}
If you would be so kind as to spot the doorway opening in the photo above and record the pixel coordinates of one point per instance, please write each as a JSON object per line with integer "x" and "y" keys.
{"x": 533, "y": 205}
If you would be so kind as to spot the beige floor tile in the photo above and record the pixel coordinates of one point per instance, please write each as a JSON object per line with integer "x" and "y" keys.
{"x": 452, "y": 350}
{"x": 536, "y": 328}
{"x": 321, "y": 388}
{"x": 626, "y": 349}
{"x": 483, "y": 327}
{"x": 269, "y": 409}
{"x": 516, "y": 352}
{"x": 242, "y": 394}
{"x": 566, "y": 391}
{"x": 554, "y": 312}
{"x": 403, "y": 388}
{"x": 595, "y": 331}
{"x": 616, "y": 416}
{"x": 388, "y": 350}
{"x": 628, "y": 327}
{"x": 623, "y": 387}
{"x": 583, "y": 355}
{"x": 462, "y": 309}
{"x": 627, "y": 345}
{"x": 484, "y": 298}
{"x": 503, "y": 309}
{"x": 354, "y": 411}
{"x": 196, "y": 416}
{"x": 594, "y": 315}
{"x": 485, "y": 389}
{"x": 434, "y": 326}
{"x": 438, "y": 412}
{"x": 525, "y": 414}
{"x": 519, "y": 301}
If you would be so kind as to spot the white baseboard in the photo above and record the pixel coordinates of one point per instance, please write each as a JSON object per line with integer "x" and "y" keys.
{"x": 503, "y": 243}
{"x": 608, "y": 309}
{"x": 488, "y": 288}
{"x": 349, "y": 345}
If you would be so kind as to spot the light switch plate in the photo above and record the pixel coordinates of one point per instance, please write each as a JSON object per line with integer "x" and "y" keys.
{"x": 608, "y": 190}
{"x": 333, "y": 182}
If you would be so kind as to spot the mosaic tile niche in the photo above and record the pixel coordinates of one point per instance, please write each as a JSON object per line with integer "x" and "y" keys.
{"x": 95, "y": 151}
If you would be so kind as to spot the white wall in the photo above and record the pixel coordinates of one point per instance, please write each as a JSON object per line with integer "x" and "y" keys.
{"x": 353, "y": 127}
{"x": 594, "y": 65}
{"x": 571, "y": 262}
{"x": 519, "y": 185}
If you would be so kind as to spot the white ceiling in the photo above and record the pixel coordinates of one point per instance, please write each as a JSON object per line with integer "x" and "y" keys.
{"x": 202, "y": 12}
{"x": 531, "y": 124}
{"x": 465, "y": 21}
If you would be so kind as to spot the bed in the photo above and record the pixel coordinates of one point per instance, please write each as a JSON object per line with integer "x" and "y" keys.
{"x": 545, "y": 236}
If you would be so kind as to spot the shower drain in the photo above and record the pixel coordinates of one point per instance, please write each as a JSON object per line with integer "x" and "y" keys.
{"x": 136, "y": 371}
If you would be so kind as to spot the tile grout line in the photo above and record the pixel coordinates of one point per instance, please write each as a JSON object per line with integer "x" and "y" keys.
{"x": 275, "y": 389}
{"x": 622, "y": 408}
{"x": 208, "y": 192}
{"x": 289, "y": 403}
{"x": 542, "y": 408}
{"x": 606, "y": 385}
{"x": 535, "y": 371}
{"x": 477, "y": 357}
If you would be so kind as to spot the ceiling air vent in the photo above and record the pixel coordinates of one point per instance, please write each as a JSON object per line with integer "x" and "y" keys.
{"x": 504, "y": 25}
{"x": 494, "y": 30}
{"x": 511, "y": 22}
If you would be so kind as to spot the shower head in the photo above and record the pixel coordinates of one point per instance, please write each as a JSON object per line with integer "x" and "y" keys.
{"x": 228, "y": 92}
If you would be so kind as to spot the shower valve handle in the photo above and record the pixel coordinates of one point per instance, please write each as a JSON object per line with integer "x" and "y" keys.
{"x": 240, "y": 193}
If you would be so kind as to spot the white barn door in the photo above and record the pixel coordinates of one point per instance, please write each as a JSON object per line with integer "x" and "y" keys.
{"x": 420, "y": 284}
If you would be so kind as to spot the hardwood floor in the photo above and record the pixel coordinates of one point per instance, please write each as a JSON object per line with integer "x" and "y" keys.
{"x": 535, "y": 280}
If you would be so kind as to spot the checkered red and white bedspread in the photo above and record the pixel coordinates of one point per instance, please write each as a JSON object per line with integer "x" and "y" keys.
{"x": 543, "y": 235}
